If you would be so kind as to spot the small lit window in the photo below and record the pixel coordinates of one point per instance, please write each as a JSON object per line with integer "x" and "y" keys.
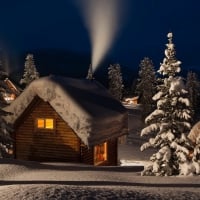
{"x": 49, "y": 123}
{"x": 45, "y": 123}
{"x": 40, "y": 123}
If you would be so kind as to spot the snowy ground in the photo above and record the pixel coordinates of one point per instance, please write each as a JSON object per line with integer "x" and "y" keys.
{"x": 32, "y": 180}
{"x": 21, "y": 180}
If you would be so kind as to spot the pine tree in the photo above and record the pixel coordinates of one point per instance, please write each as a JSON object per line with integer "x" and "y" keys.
{"x": 169, "y": 123}
{"x": 146, "y": 85}
{"x": 5, "y": 129}
{"x": 193, "y": 88}
{"x": 115, "y": 81}
{"x": 30, "y": 71}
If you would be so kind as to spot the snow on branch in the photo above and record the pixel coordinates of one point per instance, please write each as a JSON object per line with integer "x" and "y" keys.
{"x": 149, "y": 129}
{"x": 161, "y": 102}
{"x": 169, "y": 136}
{"x": 179, "y": 148}
{"x": 164, "y": 153}
{"x": 156, "y": 113}
{"x": 186, "y": 115}
{"x": 146, "y": 145}
{"x": 176, "y": 84}
{"x": 183, "y": 114}
{"x": 157, "y": 96}
{"x": 184, "y": 101}
{"x": 152, "y": 142}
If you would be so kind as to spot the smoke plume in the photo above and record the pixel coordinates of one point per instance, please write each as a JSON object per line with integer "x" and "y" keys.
{"x": 102, "y": 19}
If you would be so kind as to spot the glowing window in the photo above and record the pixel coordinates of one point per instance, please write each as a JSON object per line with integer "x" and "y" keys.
{"x": 40, "y": 123}
{"x": 49, "y": 123}
{"x": 45, "y": 123}
{"x": 100, "y": 153}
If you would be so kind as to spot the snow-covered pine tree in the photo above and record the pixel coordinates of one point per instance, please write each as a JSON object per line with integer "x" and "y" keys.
{"x": 193, "y": 88}
{"x": 5, "y": 129}
{"x": 146, "y": 85}
{"x": 169, "y": 123}
{"x": 30, "y": 71}
{"x": 115, "y": 81}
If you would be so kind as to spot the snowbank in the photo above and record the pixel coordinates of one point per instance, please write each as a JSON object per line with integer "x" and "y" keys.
{"x": 63, "y": 192}
{"x": 59, "y": 181}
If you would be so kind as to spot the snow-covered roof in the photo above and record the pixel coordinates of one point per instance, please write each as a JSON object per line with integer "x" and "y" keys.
{"x": 194, "y": 133}
{"x": 85, "y": 105}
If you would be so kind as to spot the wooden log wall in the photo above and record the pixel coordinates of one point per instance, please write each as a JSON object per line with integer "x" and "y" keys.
{"x": 61, "y": 144}
{"x": 112, "y": 152}
{"x": 87, "y": 155}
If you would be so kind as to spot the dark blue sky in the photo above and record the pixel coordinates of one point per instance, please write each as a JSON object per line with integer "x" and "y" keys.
{"x": 36, "y": 24}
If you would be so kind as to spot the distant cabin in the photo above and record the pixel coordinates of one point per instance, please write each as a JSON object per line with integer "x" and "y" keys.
{"x": 12, "y": 91}
{"x": 131, "y": 100}
{"x": 64, "y": 119}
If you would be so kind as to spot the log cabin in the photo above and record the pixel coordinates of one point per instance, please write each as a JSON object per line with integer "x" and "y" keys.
{"x": 64, "y": 119}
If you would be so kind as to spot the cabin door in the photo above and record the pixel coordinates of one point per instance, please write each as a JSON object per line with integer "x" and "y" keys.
{"x": 100, "y": 153}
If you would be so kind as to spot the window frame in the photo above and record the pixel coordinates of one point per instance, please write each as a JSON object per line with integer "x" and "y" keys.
{"x": 44, "y": 128}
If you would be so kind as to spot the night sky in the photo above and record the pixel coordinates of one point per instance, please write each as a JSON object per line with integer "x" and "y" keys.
{"x": 28, "y": 25}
